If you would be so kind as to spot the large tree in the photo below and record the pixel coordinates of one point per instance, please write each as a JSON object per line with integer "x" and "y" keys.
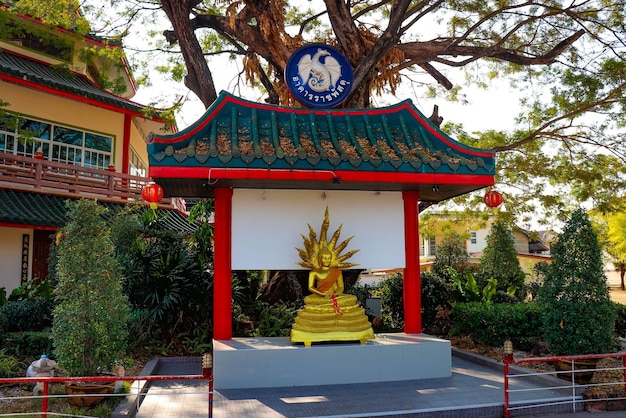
{"x": 565, "y": 58}
{"x": 611, "y": 230}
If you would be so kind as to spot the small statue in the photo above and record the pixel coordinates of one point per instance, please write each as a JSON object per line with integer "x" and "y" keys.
{"x": 44, "y": 367}
{"x": 328, "y": 314}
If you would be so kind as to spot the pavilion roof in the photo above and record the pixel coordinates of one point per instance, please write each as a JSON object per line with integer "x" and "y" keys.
{"x": 239, "y": 143}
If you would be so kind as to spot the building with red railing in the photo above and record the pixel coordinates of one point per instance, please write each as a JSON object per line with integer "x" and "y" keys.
{"x": 63, "y": 134}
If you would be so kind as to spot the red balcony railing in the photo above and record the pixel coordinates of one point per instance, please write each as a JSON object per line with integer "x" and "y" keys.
{"x": 33, "y": 174}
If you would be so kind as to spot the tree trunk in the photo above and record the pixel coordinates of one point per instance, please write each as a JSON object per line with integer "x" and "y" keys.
{"x": 199, "y": 78}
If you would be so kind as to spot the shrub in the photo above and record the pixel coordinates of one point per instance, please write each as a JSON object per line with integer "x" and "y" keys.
{"x": 578, "y": 316}
{"x": 265, "y": 319}
{"x": 26, "y": 315}
{"x": 91, "y": 312}
{"x": 491, "y": 324}
{"x": 33, "y": 290}
{"x": 620, "y": 321}
{"x": 163, "y": 277}
{"x": 451, "y": 252}
{"x": 391, "y": 300}
{"x": 435, "y": 297}
{"x": 28, "y": 344}
{"x": 10, "y": 366}
{"x": 499, "y": 261}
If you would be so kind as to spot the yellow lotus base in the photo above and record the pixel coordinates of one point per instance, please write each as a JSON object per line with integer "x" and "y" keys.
{"x": 320, "y": 321}
{"x": 307, "y": 338}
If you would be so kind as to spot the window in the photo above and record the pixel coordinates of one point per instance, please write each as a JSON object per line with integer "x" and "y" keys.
{"x": 432, "y": 246}
{"x": 58, "y": 143}
{"x": 473, "y": 238}
{"x": 137, "y": 166}
{"x": 429, "y": 247}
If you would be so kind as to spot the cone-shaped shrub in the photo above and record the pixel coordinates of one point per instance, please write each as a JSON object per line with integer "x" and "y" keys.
{"x": 89, "y": 325}
{"x": 575, "y": 306}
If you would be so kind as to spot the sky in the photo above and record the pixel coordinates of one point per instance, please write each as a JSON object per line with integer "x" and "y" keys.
{"x": 493, "y": 108}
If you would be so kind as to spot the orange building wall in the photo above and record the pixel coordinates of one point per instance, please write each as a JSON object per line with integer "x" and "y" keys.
{"x": 71, "y": 113}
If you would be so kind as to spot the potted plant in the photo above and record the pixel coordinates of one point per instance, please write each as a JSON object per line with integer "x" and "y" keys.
{"x": 575, "y": 307}
{"x": 90, "y": 317}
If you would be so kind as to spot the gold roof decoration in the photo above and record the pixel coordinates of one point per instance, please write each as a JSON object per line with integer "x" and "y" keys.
{"x": 310, "y": 255}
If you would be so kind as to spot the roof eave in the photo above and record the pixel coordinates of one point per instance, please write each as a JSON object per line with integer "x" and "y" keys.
{"x": 200, "y": 182}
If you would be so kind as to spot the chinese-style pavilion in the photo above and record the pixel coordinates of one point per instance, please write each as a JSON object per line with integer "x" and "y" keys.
{"x": 239, "y": 144}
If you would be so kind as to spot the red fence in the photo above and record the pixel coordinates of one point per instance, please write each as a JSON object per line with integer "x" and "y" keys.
{"x": 46, "y": 381}
{"x": 33, "y": 174}
{"x": 570, "y": 382}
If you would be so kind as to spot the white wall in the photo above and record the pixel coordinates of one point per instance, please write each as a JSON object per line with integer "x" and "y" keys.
{"x": 11, "y": 256}
{"x": 267, "y": 225}
{"x": 481, "y": 242}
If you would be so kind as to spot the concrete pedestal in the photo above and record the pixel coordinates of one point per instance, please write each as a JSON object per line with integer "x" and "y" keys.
{"x": 242, "y": 363}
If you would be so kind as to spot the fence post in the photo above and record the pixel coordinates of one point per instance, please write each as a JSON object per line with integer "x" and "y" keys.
{"x": 207, "y": 371}
{"x": 624, "y": 370}
{"x": 44, "y": 400}
{"x": 507, "y": 413}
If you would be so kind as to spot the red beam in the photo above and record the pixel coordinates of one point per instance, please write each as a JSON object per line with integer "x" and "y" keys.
{"x": 312, "y": 175}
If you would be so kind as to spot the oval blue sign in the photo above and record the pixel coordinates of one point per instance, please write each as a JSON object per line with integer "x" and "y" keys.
{"x": 319, "y": 76}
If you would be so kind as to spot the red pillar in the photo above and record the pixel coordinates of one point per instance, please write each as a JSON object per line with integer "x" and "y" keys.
{"x": 411, "y": 281}
{"x": 222, "y": 267}
{"x": 128, "y": 120}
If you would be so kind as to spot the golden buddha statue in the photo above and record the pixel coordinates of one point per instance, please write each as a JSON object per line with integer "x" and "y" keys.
{"x": 328, "y": 313}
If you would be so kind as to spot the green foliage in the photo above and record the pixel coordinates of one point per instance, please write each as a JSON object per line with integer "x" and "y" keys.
{"x": 275, "y": 320}
{"x": 33, "y": 290}
{"x": 470, "y": 290}
{"x": 436, "y": 297}
{"x": 390, "y": 291}
{"x": 451, "y": 252}
{"x": 89, "y": 328}
{"x": 140, "y": 331}
{"x": 493, "y": 323}
{"x": 164, "y": 277}
{"x": 268, "y": 319}
{"x": 26, "y": 315}
{"x": 620, "y": 319}
{"x": 63, "y": 13}
{"x": 197, "y": 341}
{"x": 10, "y": 366}
{"x": 611, "y": 229}
{"x": 499, "y": 261}
{"x": 577, "y": 314}
{"x": 200, "y": 213}
{"x": 28, "y": 343}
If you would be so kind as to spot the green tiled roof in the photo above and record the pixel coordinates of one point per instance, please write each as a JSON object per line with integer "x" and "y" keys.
{"x": 251, "y": 144}
{"x": 60, "y": 79}
{"x": 38, "y": 209}
{"x": 235, "y": 133}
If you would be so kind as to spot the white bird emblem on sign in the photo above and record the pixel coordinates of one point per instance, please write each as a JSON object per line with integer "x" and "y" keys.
{"x": 319, "y": 76}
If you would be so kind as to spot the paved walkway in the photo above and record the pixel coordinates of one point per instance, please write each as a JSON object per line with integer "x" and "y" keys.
{"x": 475, "y": 390}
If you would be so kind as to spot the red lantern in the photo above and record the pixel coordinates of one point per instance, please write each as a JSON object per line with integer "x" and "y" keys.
{"x": 152, "y": 193}
{"x": 493, "y": 199}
